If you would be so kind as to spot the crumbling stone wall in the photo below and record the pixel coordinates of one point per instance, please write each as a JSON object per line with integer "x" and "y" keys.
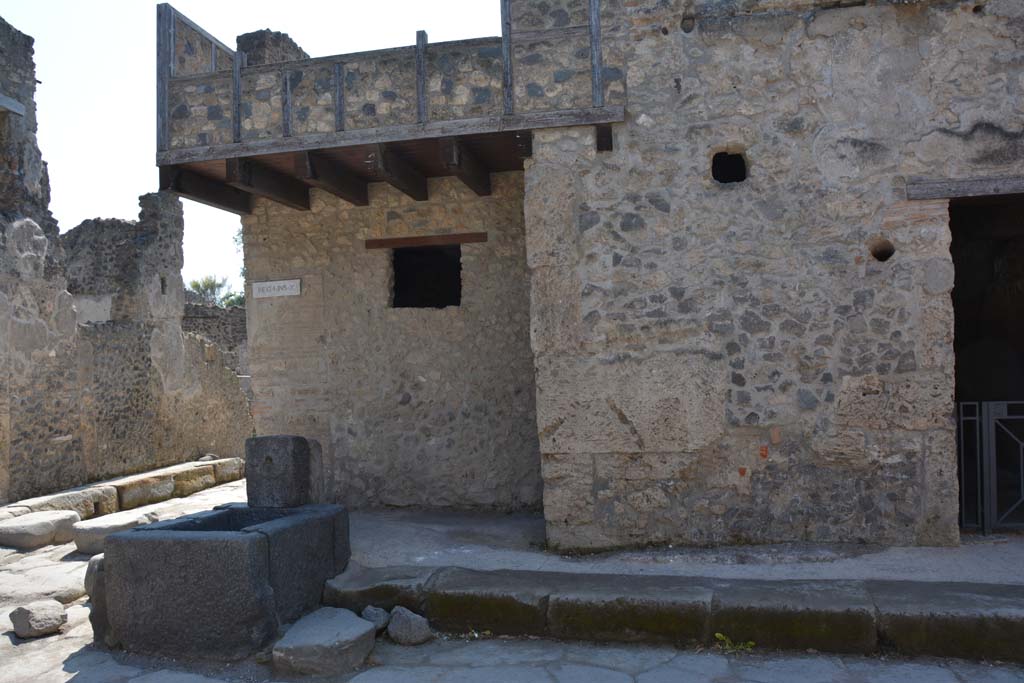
{"x": 425, "y": 407}
{"x": 728, "y": 362}
{"x": 127, "y": 390}
{"x": 225, "y": 327}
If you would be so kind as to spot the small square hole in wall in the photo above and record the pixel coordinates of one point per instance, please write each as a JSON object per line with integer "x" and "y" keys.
{"x": 427, "y": 277}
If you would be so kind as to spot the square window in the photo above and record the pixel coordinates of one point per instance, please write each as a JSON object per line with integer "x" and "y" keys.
{"x": 427, "y": 277}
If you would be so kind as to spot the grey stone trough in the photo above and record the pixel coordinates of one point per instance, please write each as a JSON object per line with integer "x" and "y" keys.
{"x": 219, "y": 584}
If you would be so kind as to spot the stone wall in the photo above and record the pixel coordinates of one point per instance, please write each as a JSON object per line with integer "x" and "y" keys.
{"x": 728, "y": 363}
{"x": 425, "y": 407}
{"x": 125, "y": 391}
{"x": 225, "y": 327}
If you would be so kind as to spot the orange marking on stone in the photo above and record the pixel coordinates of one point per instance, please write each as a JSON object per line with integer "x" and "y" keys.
{"x": 743, "y": 471}
{"x": 764, "y": 452}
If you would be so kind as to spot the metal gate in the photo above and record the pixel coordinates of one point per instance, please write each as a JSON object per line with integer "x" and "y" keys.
{"x": 991, "y": 464}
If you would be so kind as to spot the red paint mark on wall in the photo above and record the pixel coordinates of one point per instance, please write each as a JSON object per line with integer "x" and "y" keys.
{"x": 764, "y": 452}
{"x": 743, "y": 471}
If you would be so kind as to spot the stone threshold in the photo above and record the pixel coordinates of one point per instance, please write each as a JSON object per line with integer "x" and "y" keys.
{"x": 970, "y": 621}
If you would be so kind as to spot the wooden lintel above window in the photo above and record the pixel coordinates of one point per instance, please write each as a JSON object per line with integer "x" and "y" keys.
{"x": 426, "y": 240}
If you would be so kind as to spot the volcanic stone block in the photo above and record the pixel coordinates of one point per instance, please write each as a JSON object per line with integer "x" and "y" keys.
{"x": 503, "y": 602}
{"x": 385, "y": 587}
{"x": 631, "y": 609}
{"x": 89, "y": 534}
{"x": 328, "y": 641}
{"x": 277, "y": 471}
{"x": 301, "y": 552}
{"x": 189, "y": 593}
{"x": 833, "y": 616}
{"x": 951, "y": 619}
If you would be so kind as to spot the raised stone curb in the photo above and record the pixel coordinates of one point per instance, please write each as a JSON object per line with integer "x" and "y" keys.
{"x": 133, "y": 491}
{"x": 329, "y": 641}
{"x": 37, "y": 529}
{"x": 89, "y": 534}
{"x": 912, "y": 618}
{"x": 951, "y": 619}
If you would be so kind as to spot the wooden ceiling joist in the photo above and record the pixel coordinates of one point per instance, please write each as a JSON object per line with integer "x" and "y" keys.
{"x": 204, "y": 190}
{"x": 254, "y": 178}
{"x": 465, "y": 165}
{"x": 397, "y": 172}
{"x": 318, "y": 171}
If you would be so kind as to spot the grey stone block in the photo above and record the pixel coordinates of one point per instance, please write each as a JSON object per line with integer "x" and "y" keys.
{"x": 90, "y": 533}
{"x": 630, "y": 609}
{"x": 972, "y": 621}
{"x": 189, "y": 593}
{"x": 831, "y": 616}
{"x": 376, "y": 616}
{"x": 38, "y": 618}
{"x": 329, "y": 641}
{"x": 38, "y": 529}
{"x": 91, "y": 571}
{"x": 408, "y": 628}
{"x": 98, "y": 617}
{"x": 277, "y": 471}
{"x": 503, "y": 602}
{"x": 217, "y": 584}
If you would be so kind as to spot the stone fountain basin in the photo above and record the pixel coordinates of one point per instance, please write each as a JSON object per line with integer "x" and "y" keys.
{"x": 218, "y": 584}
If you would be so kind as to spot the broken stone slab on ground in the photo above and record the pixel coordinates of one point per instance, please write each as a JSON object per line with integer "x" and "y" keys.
{"x": 327, "y": 641}
{"x": 38, "y": 529}
{"x": 39, "y": 618}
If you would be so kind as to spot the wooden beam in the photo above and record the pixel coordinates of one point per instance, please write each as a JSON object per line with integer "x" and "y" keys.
{"x": 286, "y": 103}
{"x": 421, "y": 76}
{"x": 327, "y": 175}
{"x": 204, "y": 190}
{"x": 426, "y": 240}
{"x": 264, "y": 181}
{"x": 237, "y": 64}
{"x": 942, "y": 188}
{"x": 506, "y": 57}
{"x": 384, "y": 134}
{"x": 465, "y": 165}
{"x": 397, "y": 172}
{"x": 339, "y": 96}
{"x": 164, "y": 61}
{"x": 596, "y": 65}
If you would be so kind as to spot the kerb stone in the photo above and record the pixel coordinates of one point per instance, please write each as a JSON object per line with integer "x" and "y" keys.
{"x": 327, "y": 641}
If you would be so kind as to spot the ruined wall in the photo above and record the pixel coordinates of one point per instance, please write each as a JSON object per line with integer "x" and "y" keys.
{"x": 728, "y": 362}
{"x": 426, "y": 407}
{"x": 223, "y": 326}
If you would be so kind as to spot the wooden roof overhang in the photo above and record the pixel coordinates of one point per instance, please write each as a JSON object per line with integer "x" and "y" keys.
{"x": 284, "y": 168}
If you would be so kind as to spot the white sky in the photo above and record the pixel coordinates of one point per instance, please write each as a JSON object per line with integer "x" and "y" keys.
{"x": 96, "y": 60}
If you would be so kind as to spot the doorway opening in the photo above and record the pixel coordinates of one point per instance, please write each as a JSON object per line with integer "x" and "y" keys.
{"x": 988, "y": 257}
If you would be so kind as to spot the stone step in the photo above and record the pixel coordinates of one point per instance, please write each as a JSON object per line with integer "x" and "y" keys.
{"x": 38, "y": 529}
{"x": 89, "y": 534}
{"x": 977, "y": 621}
{"x": 329, "y": 641}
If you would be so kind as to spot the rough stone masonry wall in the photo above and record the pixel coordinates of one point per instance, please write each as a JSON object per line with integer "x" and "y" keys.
{"x": 727, "y": 363}
{"x": 424, "y": 407}
{"x": 223, "y": 326}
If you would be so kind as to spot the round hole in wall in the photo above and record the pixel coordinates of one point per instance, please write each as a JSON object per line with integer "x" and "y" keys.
{"x": 664, "y": 31}
{"x": 687, "y": 24}
{"x": 881, "y": 249}
{"x": 978, "y": 9}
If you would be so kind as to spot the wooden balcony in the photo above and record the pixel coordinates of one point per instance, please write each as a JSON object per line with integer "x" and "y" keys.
{"x": 227, "y": 131}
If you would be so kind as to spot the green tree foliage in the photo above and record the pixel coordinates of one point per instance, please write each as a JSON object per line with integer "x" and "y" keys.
{"x": 209, "y": 289}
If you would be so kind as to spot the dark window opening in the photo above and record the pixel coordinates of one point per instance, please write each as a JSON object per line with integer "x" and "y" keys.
{"x": 163, "y": 285}
{"x": 427, "y": 277}
{"x": 728, "y": 168}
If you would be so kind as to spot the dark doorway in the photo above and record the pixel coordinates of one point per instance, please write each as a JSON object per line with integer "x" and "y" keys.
{"x": 988, "y": 304}
{"x": 427, "y": 277}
